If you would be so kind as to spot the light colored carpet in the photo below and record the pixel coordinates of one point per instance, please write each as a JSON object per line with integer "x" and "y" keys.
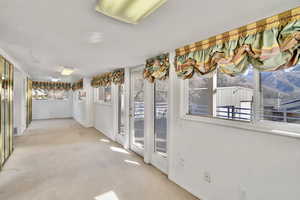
{"x": 60, "y": 160}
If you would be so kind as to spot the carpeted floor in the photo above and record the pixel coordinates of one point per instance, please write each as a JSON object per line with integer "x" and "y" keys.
{"x": 60, "y": 160}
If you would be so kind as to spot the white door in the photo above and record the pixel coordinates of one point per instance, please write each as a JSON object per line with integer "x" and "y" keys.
{"x": 137, "y": 139}
{"x": 160, "y": 113}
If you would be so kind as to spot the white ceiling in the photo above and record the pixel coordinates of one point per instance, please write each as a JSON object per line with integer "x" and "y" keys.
{"x": 45, "y": 34}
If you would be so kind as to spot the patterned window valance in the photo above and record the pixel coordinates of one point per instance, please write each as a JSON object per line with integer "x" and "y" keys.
{"x": 268, "y": 45}
{"x": 118, "y": 76}
{"x": 51, "y": 85}
{"x": 157, "y": 68}
{"x": 77, "y": 85}
{"x": 106, "y": 79}
{"x": 102, "y": 80}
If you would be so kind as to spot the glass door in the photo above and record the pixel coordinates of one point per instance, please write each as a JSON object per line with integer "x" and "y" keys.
{"x": 160, "y": 117}
{"x": 159, "y": 153}
{"x": 137, "y": 140}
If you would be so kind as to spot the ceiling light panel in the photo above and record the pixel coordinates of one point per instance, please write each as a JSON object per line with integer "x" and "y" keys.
{"x": 130, "y": 11}
{"x": 67, "y": 71}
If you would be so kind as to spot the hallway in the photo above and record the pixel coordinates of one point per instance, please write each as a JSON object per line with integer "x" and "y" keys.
{"x": 59, "y": 159}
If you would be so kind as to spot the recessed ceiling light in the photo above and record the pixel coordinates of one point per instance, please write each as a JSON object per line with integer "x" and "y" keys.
{"x": 67, "y": 71}
{"x": 130, "y": 11}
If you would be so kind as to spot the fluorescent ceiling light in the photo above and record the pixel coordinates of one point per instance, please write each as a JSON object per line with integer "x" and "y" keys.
{"x": 54, "y": 79}
{"x": 67, "y": 71}
{"x": 130, "y": 11}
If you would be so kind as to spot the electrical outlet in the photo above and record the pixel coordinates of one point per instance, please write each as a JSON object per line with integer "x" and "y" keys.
{"x": 207, "y": 177}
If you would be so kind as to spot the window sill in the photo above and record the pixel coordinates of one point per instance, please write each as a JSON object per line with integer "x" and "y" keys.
{"x": 263, "y": 127}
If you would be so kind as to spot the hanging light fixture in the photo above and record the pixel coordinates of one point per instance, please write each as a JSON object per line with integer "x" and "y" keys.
{"x": 130, "y": 11}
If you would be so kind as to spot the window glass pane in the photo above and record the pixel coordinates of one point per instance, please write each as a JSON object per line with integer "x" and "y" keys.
{"x": 61, "y": 95}
{"x": 281, "y": 95}
{"x": 161, "y": 110}
{"x": 199, "y": 96}
{"x": 81, "y": 95}
{"x": 107, "y": 94}
{"x": 41, "y": 94}
{"x": 234, "y": 96}
{"x": 101, "y": 94}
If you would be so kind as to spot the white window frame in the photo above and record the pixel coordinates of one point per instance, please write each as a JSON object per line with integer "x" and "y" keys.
{"x": 102, "y": 102}
{"x": 257, "y": 124}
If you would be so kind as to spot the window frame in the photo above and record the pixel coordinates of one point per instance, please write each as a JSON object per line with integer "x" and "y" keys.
{"x": 257, "y": 124}
{"x": 97, "y": 99}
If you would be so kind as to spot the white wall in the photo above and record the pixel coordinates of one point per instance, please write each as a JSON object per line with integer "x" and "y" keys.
{"x": 82, "y": 110}
{"x": 104, "y": 119}
{"x": 51, "y": 109}
{"x": 243, "y": 164}
{"x": 19, "y": 101}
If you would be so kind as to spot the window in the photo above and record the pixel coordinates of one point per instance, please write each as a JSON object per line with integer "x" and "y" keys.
{"x": 199, "y": 96}
{"x": 234, "y": 96}
{"x": 81, "y": 95}
{"x": 226, "y": 97}
{"x": 104, "y": 94}
{"x": 41, "y": 94}
{"x": 229, "y": 98}
{"x": 281, "y": 95}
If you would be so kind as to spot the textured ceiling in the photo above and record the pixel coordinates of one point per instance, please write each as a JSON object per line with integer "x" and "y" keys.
{"x": 43, "y": 35}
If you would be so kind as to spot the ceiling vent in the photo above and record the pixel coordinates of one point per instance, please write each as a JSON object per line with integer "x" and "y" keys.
{"x": 130, "y": 11}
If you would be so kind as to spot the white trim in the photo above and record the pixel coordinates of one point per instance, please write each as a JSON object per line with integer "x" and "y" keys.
{"x": 127, "y": 108}
{"x": 242, "y": 125}
{"x": 148, "y": 121}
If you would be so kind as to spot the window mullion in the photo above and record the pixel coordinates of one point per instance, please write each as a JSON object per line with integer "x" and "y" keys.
{"x": 257, "y": 100}
{"x": 213, "y": 92}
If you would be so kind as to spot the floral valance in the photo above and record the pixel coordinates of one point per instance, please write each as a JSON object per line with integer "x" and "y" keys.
{"x": 102, "y": 80}
{"x": 106, "y": 79}
{"x": 48, "y": 85}
{"x": 77, "y": 85}
{"x": 157, "y": 68}
{"x": 118, "y": 76}
{"x": 268, "y": 45}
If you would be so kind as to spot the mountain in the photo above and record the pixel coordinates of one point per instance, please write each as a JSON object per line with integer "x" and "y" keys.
{"x": 282, "y": 81}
